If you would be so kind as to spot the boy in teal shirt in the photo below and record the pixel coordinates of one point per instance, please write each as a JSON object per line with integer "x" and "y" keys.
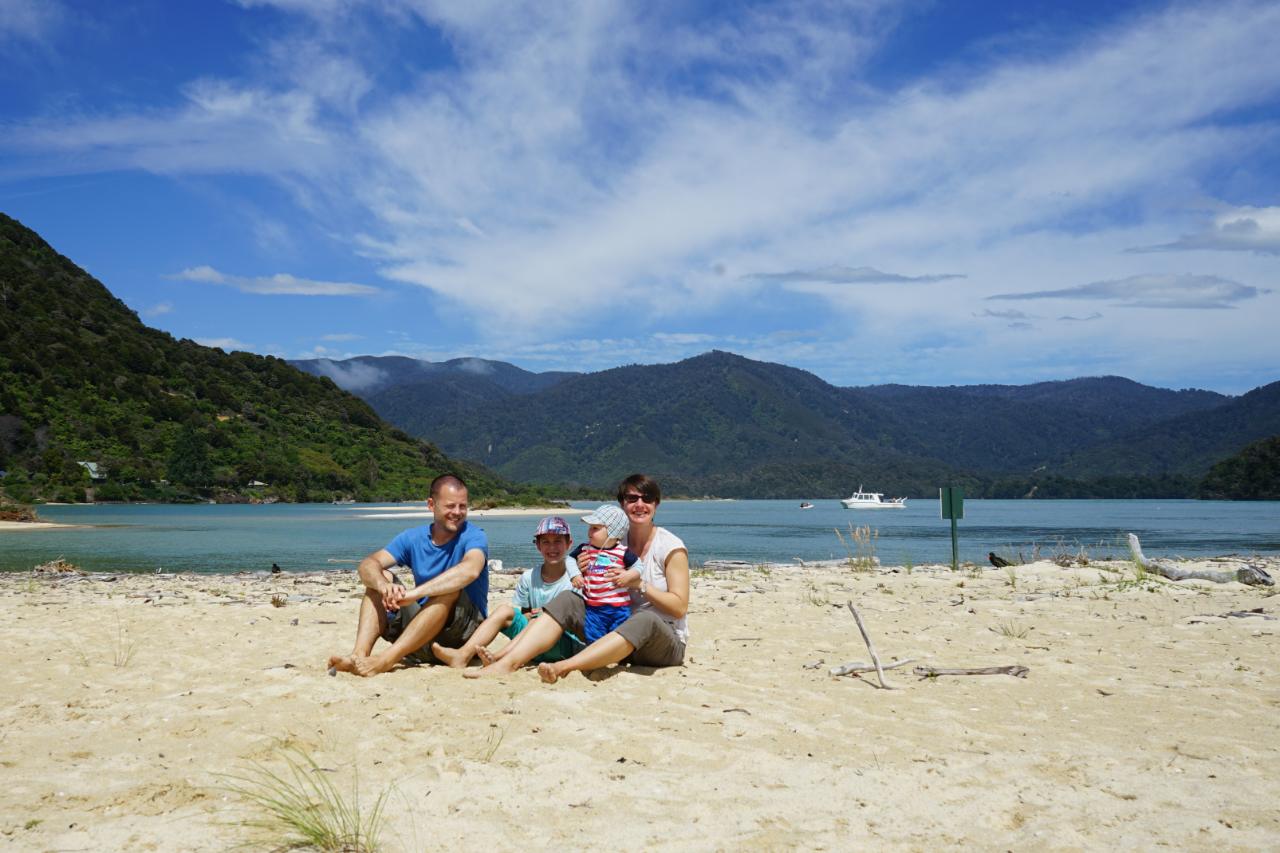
{"x": 534, "y": 589}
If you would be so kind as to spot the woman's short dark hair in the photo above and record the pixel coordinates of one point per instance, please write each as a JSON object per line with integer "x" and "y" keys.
{"x": 642, "y": 483}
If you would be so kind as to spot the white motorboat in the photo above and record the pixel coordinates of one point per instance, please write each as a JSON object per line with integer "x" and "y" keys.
{"x": 872, "y": 500}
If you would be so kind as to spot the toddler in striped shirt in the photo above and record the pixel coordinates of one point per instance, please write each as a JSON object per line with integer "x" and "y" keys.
{"x": 608, "y": 605}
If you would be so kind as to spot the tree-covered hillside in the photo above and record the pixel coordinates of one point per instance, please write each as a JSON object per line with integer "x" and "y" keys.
{"x": 1252, "y": 474}
{"x": 1187, "y": 445}
{"x": 726, "y": 425}
{"x": 83, "y": 380}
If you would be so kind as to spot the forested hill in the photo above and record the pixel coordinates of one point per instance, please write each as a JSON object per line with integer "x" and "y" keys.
{"x": 83, "y": 380}
{"x": 727, "y": 425}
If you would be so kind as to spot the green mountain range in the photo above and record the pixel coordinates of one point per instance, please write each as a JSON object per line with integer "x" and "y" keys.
{"x": 725, "y": 425}
{"x": 82, "y": 380}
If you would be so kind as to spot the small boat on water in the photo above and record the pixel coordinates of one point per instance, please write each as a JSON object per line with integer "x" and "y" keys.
{"x": 806, "y": 505}
{"x": 872, "y": 500}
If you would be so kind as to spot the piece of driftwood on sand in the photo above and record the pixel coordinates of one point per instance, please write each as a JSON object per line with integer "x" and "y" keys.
{"x": 857, "y": 666}
{"x": 866, "y": 638}
{"x": 1250, "y": 574}
{"x": 934, "y": 672}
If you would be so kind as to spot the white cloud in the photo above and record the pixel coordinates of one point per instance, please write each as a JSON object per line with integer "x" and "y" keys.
{"x": 1153, "y": 291}
{"x": 278, "y": 284}
{"x": 578, "y": 154}
{"x": 354, "y": 377}
{"x": 158, "y": 310}
{"x": 1241, "y": 229}
{"x": 837, "y": 274}
{"x": 227, "y": 344}
{"x": 29, "y": 20}
{"x": 341, "y": 337}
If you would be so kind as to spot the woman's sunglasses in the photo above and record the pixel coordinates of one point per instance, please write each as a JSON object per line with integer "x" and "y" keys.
{"x": 632, "y": 497}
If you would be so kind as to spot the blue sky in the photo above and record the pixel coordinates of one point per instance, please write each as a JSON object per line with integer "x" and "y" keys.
{"x": 916, "y": 192}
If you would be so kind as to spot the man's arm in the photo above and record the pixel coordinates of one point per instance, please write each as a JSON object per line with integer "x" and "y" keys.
{"x": 372, "y": 571}
{"x": 453, "y": 578}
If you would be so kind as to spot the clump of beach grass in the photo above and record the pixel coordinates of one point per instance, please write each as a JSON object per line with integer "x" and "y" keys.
{"x": 860, "y": 547}
{"x": 123, "y": 648}
{"x": 300, "y": 808}
{"x": 1012, "y": 630}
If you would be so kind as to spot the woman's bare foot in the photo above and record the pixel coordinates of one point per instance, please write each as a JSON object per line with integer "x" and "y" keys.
{"x": 453, "y": 658}
{"x": 549, "y": 672}
{"x": 495, "y": 668}
{"x": 367, "y": 666}
{"x": 486, "y": 656}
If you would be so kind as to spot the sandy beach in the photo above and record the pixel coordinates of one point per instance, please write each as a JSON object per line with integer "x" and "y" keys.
{"x": 1147, "y": 718}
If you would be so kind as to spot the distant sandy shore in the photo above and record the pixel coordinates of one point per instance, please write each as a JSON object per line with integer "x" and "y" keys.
{"x": 1147, "y": 718}
{"x": 421, "y": 511}
{"x": 30, "y": 525}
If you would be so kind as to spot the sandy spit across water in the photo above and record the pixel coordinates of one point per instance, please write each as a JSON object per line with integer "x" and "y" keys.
{"x": 1148, "y": 717}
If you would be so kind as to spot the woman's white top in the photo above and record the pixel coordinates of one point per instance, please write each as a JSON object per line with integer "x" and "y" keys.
{"x": 653, "y": 571}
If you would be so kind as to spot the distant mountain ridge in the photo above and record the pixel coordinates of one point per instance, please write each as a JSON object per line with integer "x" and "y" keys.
{"x": 723, "y": 424}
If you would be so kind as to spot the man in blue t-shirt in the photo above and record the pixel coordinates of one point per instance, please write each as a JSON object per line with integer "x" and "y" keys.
{"x": 449, "y": 560}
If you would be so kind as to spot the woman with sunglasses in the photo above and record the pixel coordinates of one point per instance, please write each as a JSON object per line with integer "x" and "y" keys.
{"x": 655, "y": 635}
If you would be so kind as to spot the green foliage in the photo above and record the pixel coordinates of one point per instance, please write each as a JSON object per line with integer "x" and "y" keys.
{"x": 1252, "y": 474}
{"x": 301, "y": 808}
{"x": 724, "y": 425}
{"x": 82, "y": 379}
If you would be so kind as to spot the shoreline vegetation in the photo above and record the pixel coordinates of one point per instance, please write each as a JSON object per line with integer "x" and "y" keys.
{"x": 1146, "y": 707}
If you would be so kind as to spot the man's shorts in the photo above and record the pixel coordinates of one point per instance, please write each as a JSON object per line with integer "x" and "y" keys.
{"x": 463, "y": 621}
{"x": 566, "y": 647}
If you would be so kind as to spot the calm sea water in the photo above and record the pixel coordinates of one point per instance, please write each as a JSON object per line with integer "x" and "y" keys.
{"x": 308, "y": 537}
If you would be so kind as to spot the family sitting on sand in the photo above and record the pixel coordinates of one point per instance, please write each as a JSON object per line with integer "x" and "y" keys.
{"x": 622, "y": 597}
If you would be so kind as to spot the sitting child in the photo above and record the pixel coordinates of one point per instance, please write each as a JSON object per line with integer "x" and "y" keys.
{"x": 534, "y": 589}
{"x": 608, "y": 606}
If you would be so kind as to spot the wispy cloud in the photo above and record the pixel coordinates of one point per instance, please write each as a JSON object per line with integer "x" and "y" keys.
{"x": 353, "y": 377}
{"x": 1011, "y": 314}
{"x": 341, "y": 337}
{"x": 278, "y": 284}
{"x": 849, "y": 275}
{"x": 1242, "y": 229}
{"x": 694, "y": 162}
{"x": 29, "y": 20}
{"x": 1088, "y": 318}
{"x": 1153, "y": 291}
{"x": 227, "y": 344}
{"x": 158, "y": 310}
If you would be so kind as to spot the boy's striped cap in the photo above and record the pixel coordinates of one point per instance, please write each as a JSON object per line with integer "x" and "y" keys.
{"x": 552, "y": 524}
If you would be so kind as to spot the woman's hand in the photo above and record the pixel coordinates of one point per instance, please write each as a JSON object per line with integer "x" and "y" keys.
{"x": 629, "y": 579}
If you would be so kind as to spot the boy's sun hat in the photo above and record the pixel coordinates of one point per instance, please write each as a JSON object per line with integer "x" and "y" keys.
{"x": 552, "y": 524}
{"x": 612, "y": 517}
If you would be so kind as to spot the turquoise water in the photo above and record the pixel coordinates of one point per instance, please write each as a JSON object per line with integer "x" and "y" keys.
{"x": 308, "y": 537}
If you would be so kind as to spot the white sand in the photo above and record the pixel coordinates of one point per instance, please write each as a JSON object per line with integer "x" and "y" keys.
{"x": 500, "y": 512}
{"x": 7, "y": 526}
{"x": 1147, "y": 720}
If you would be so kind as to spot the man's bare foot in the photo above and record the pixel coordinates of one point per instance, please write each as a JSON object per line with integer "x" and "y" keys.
{"x": 486, "y": 656}
{"x": 367, "y": 666}
{"x": 453, "y": 658}
{"x": 341, "y": 663}
{"x": 548, "y": 672}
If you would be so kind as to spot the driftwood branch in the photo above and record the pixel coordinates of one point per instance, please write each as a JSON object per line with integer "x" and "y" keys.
{"x": 857, "y": 666}
{"x": 933, "y": 671}
{"x": 866, "y": 638}
{"x": 1250, "y": 574}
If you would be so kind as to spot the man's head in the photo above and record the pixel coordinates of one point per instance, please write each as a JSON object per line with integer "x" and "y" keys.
{"x": 605, "y": 525}
{"x": 448, "y": 504}
{"x": 552, "y": 538}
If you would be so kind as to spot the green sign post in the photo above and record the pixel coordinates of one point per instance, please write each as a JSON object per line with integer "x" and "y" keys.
{"x": 951, "y": 500}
